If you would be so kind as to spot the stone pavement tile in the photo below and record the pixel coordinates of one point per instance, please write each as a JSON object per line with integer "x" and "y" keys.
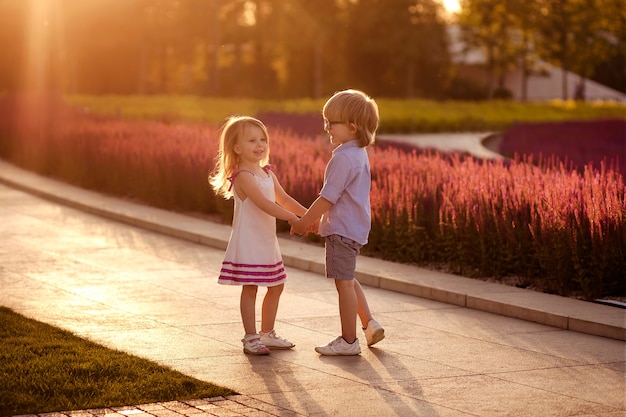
{"x": 589, "y": 349}
{"x": 608, "y": 414}
{"x": 254, "y": 375}
{"x": 464, "y": 352}
{"x": 563, "y": 312}
{"x": 356, "y": 399}
{"x": 475, "y": 324}
{"x": 485, "y": 395}
{"x": 508, "y": 331}
{"x": 603, "y": 386}
{"x": 377, "y": 365}
{"x": 619, "y": 367}
{"x": 166, "y": 342}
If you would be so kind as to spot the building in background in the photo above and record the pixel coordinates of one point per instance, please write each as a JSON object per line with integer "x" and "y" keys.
{"x": 544, "y": 83}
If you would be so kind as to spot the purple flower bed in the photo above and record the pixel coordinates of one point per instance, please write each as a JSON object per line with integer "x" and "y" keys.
{"x": 308, "y": 124}
{"x": 575, "y": 143}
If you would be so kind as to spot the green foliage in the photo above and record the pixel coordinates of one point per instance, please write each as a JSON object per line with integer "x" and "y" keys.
{"x": 172, "y": 108}
{"x": 44, "y": 369}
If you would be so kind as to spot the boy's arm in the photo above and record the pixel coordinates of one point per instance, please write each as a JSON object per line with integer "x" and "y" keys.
{"x": 313, "y": 214}
{"x": 246, "y": 183}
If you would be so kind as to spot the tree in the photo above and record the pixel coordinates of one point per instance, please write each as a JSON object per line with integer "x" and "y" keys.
{"x": 310, "y": 46}
{"x": 572, "y": 34}
{"x": 576, "y": 34}
{"x": 258, "y": 48}
{"x": 524, "y": 15}
{"x": 490, "y": 25}
{"x": 397, "y": 47}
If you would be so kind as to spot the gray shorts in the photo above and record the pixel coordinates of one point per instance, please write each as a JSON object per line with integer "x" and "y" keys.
{"x": 341, "y": 254}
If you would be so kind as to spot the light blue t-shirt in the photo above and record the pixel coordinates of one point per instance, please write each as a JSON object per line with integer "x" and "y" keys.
{"x": 347, "y": 182}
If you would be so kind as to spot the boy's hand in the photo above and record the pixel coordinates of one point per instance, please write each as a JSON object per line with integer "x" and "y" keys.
{"x": 297, "y": 227}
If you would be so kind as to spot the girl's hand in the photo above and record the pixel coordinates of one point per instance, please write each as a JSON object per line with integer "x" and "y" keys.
{"x": 291, "y": 222}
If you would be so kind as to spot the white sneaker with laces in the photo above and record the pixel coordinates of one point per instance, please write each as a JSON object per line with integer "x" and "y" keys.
{"x": 273, "y": 341}
{"x": 374, "y": 332}
{"x": 339, "y": 347}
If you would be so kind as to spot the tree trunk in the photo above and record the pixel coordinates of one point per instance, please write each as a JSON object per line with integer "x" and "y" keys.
{"x": 318, "y": 59}
{"x": 410, "y": 79}
{"x": 214, "y": 71}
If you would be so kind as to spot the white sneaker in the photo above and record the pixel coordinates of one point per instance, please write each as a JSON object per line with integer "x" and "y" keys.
{"x": 339, "y": 347}
{"x": 272, "y": 341}
{"x": 374, "y": 332}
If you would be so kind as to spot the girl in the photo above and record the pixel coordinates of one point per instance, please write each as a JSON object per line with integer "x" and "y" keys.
{"x": 253, "y": 256}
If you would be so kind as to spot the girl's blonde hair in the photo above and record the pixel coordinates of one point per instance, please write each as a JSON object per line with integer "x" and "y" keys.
{"x": 354, "y": 106}
{"x": 227, "y": 159}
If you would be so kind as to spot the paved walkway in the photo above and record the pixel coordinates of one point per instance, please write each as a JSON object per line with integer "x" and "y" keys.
{"x": 473, "y": 143}
{"x": 142, "y": 280}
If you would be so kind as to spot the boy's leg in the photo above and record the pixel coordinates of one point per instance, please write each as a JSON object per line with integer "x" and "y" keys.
{"x": 247, "y": 307}
{"x": 363, "y": 308}
{"x": 340, "y": 265}
{"x": 347, "y": 308}
{"x": 270, "y": 307}
{"x": 374, "y": 332}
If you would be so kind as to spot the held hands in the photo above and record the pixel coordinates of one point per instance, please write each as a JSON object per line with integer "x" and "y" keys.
{"x": 298, "y": 227}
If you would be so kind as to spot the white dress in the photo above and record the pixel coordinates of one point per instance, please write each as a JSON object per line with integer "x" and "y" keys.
{"x": 253, "y": 256}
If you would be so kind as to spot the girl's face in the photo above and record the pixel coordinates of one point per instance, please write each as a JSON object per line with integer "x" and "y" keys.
{"x": 252, "y": 146}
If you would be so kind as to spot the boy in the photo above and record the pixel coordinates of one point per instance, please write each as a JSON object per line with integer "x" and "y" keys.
{"x": 351, "y": 119}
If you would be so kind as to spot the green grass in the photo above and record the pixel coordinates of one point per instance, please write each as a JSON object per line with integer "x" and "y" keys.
{"x": 189, "y": 108}
{"x": 464, "y": 116}
{"x": 45, "y": 369}
{"x": 397, "y": 116}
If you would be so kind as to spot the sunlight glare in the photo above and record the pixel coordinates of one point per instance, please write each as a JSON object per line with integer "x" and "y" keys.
{"x": 451, "y": 6}
{"x": 35, "y": 64}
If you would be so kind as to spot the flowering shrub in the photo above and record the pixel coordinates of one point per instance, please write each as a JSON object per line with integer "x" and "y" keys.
{"x": 549, "y": 226}
{"x": 554, "y": 228}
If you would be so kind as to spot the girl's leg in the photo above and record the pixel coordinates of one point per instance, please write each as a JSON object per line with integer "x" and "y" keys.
{"x": 270, "y": 307}
{"x": 247, "y": 307}
{"x": 363, "y": 308}
{"x": 347, "y": 308}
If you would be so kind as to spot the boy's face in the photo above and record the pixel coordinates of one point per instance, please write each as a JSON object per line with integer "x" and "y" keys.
{"x": 339, "y": 132}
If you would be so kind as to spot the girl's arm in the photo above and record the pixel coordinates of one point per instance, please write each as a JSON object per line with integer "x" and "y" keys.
{"x": 246, "y": 185}
{"x": 285, "y": 200}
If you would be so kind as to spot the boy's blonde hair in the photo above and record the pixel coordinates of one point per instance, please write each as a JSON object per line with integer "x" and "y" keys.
{"x": 227, "y": 159}
{"x": 354, "y": 106}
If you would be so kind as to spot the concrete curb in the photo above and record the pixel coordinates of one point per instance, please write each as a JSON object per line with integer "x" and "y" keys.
{"x": 551, "y": 310}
